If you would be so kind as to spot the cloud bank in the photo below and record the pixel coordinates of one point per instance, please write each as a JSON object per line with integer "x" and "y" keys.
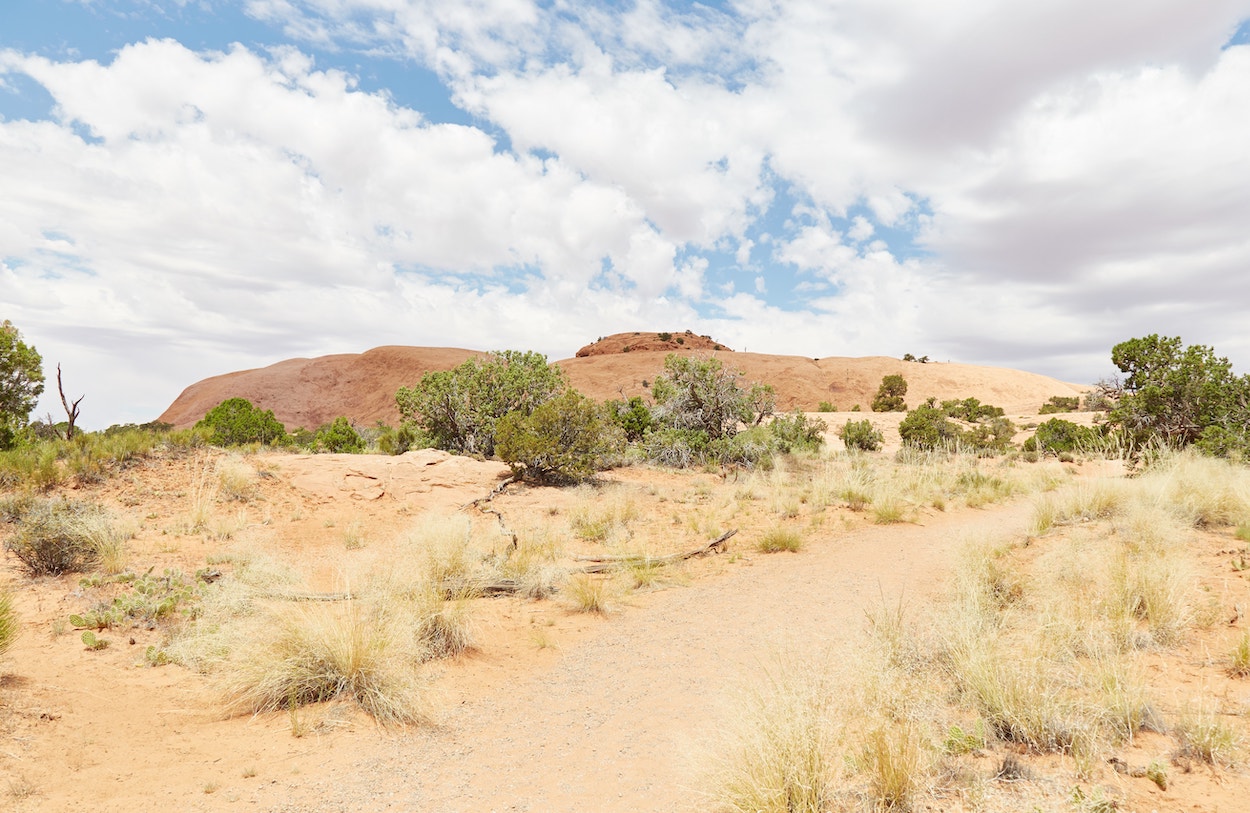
{"x": 957, "y": 179}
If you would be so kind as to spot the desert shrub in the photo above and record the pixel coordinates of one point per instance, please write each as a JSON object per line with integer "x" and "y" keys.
{"x": 927, "y": 428}
{"x": 890, "y": 395}
{"x": 861, "y": 435}
{"x": 235, "y": 422}
{"x": 340, "y": 437}
{"x": 1059, "y": 403}
{"x": 826, "y": 406}
{"x": 9, "y": 625}
{"x": 971, "y": 410}
{"x": 664, "y": 336}
{"x": 992, "y": 436}
{"x": 54, "y": 537}
{"x": 459, "y": 409}
{"x": 1180, "y": 396}
{"x": 797, "y": 433}
{"x": 566, "y": 439}
{"x": 1057, "y": 435}
{"x": 747, "y": 448}
{"x": 678, "y": 448}
{"x": 632, "y": 416}
{"x": 700, "y": 394}
{"x": 395, "y": 441}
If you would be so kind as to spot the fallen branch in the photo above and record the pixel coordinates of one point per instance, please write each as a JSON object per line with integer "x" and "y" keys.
{"x": 503, "y": 587}
{"x": 495, "y": 492}
{"x": 603, "y": 564}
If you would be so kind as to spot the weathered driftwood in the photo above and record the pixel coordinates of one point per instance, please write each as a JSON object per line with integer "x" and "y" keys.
{"x": 495, "y": 492}
{"x": 503, "y": 587}
{"x": 604, "y": 564}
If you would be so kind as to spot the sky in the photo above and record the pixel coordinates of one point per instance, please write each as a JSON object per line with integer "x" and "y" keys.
{"x": 193, "y": 187}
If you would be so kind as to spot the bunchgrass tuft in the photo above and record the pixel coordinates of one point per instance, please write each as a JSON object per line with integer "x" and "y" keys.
{"x": 588, "y": 593}
{"x": 778, "y": 540}
{"x": 781, "y": 755}
{"x": 330, "y": 652}
{"x": 10, "y": 627}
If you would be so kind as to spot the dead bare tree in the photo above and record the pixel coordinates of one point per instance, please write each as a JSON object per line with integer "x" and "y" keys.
{"x": 71, "y": 410}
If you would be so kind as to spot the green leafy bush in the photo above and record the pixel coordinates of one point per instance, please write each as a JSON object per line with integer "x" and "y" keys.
{"x": 826, "y": 406}
{"x": 796, "y": 432}
{"x": 340, "y": 437}
{"x": 1180, "y": 395}
{"x": 664, "y": 337}
{"x": 632, "y": 416}
{"x": 890, "y": 395}
{"x": 861, "y": 435}
{"x": 971, "y": 410}
{"x": 1059, "y": 403}
{"x": 235, "y": 422}
{"x": 566, "y": 439}
{"x": 459, "y": 409}
{"x": 1057, "y": 436}
{"x": 927, "y": 428}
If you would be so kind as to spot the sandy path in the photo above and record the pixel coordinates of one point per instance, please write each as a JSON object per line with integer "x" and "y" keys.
{"x": 614, "y": 724}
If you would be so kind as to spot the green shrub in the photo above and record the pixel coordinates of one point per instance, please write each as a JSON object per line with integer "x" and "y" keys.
{"x": 664, "y": 337}
{"x": 566, "y": 439}
{"x": 890, "y": 394}
{"x": 632, "y": 416}
{"x": 826, "y": 406}
{"x": 1059, "y": 403}
{"x": 796, "y": 432}
{"x": 55, "y": 537}
{"x": 459, "y": 409}
{"x": 861, "y": 435}
{"x": 235, "y": 422}
{"x": 971, "y": 410}
{"x": 1057, "y": 436}
{"x": 397, "y": 441}
{"x": 340, "y": 437}
{"x": 927, "y": 428}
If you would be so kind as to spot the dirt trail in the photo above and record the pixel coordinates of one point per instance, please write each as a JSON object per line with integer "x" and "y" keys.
{"x": 615, "y": 723}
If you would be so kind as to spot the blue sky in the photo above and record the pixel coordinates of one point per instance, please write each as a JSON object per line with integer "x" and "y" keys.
{"x": 202, "y": 186}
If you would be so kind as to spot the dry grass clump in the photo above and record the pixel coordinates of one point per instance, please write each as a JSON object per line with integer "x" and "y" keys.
{"x": 587, "y": 593}
{"x": 1084, "y": 501}
{"x": 56, "y": 536}
{"x": 236, "y": 480}
{"x": 330, "y": 652}
{"x": 10, "y": 626}
{"x": 599, "y": 517}
{"x": 444, "y": 626}
{"x": 1202, "y": 491}
{"x": 781, "y": 754}
{"x": 1203, "y": 736}
{"x": 779, "y": 540}
{"x": 534, "y": 564}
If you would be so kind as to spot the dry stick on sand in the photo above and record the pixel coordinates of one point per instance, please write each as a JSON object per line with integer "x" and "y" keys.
{"x": 603, "y": 564}
{"x": 495, "y": 492}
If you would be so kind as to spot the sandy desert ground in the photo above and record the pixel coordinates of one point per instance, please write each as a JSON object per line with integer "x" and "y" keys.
{"x": 552, "y": 709}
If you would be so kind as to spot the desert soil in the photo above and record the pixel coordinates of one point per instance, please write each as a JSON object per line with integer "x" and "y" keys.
{"x": 554, "y": 711}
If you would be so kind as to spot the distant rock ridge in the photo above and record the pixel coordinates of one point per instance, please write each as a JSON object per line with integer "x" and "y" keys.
{"x": 361, "y": 386}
